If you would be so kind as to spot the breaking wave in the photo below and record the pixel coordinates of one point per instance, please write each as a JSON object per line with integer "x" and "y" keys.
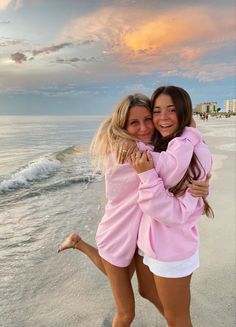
{"x": 37, "y": 170}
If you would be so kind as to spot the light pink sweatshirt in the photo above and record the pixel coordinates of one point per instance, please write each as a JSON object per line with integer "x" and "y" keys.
{"x": 118, "y": 230}
{"x": 168, "y": 229}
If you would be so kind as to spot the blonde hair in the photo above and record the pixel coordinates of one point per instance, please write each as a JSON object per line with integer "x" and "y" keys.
{"x": 112, "y": 133}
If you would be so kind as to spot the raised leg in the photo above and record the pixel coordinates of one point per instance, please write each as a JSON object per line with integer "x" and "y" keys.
{"x": 74, "y": 241}
{"x": 122, "y": 291}
{"x": 92, "y": 253}
{"x": 146, "y": 283}
{"x": 175, "y": 297}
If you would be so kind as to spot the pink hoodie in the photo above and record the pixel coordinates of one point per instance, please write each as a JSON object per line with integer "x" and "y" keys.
{"x": 118, "y": 230}
{"x": 168, "y": 229}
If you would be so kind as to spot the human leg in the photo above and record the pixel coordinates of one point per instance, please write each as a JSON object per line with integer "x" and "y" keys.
{"x": 120, "y": 282}
{"x": 175, "y": 297}
{"x": 74, "y": 241}
{"x": 146, "y": 283}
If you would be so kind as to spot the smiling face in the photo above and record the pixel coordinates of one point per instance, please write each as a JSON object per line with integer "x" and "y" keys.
{"x": 139, "y": 123}
{"x": 165, "y": 117}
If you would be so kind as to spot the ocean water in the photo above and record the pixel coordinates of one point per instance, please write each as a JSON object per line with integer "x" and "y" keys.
{"x": 48, "y": 189}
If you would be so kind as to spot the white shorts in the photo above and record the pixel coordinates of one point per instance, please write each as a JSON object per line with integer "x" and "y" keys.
{"x": 171, "y": 269}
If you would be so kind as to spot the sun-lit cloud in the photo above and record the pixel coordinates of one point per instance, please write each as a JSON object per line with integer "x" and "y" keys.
{"x": 146, "y": 40}
{"x": 181, "y": 27}
{"x": 15, "y": 4}
{"x": 4, "y": 4}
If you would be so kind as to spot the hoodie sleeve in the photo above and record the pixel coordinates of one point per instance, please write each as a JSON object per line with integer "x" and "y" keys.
{"x": 161, "y": 205}
{"x": 172, "y": 164}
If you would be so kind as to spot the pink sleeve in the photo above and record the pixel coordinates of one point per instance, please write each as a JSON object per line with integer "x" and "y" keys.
{"x": 172, "y": 164}
{"x": 161, "y": 205}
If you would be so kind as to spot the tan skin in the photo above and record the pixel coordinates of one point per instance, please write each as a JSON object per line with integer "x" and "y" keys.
{"x": 123, "y": 296}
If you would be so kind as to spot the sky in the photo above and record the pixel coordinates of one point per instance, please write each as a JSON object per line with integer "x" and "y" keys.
{"x": 80, "y": 57}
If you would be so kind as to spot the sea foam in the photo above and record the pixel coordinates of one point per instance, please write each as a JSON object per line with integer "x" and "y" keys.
{"x": 34, "y": 171}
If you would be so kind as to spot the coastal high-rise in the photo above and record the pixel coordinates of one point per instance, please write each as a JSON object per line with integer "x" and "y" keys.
{"x": 230, "y": 105}
{"x": 206, "y": 107}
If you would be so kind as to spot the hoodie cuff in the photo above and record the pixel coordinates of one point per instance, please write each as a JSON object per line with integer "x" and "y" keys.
{"x": 149, "y": 177}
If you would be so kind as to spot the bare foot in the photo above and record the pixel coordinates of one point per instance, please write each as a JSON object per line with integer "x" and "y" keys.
{"x": 70, "y": 242}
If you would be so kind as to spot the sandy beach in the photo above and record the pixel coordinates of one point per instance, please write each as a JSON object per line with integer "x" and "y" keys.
{"x": 42, "y": 288}
{"x": 213, "y": 288}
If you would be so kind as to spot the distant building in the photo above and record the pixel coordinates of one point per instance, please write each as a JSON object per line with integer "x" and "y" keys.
{"x": 206, "y": 107}
{"x": 230, "y": 105}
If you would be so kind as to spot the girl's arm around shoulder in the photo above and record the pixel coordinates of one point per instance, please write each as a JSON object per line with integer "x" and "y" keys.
{"x": 192, "y": 135}
{"x": 204, "y": 156}
{"x": 172, "y": 164}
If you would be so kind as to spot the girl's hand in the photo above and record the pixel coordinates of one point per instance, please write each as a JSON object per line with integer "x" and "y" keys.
{"x": 199, "y": 188}
{"x": 124, "y": 149}
{"x": 141, "y": 161}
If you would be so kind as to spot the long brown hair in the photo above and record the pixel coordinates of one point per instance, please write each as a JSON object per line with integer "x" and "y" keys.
{"x": 183, "y": 106}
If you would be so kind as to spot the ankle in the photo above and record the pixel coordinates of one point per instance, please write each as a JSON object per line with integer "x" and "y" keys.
{"x": 78, "y": 244}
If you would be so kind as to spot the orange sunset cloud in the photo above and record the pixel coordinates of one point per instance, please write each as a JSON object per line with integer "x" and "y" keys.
{"x": 4, "y": 4}
{"x": 141, "y": 35}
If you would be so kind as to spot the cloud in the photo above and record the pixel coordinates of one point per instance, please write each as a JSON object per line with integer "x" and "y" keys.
{"x": 4, "y": 22}
{"x": 171, "y": 30}
{"x": 49, "y": 91}
{"x": 137, "y": 87}
{"x": 17, "y": 4}
{"x": 76, "y": 60}
{"x": 145, "y": 40}
{"x": 18, "y": 57}
{"x": 57, "y": 47}
{"x": 211, "y": 72}
{"x": 5, "y": 42}
{"x": 50, "y": 49}
{"x": 6, "y": 4}
{"x": 145, "y": 31}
